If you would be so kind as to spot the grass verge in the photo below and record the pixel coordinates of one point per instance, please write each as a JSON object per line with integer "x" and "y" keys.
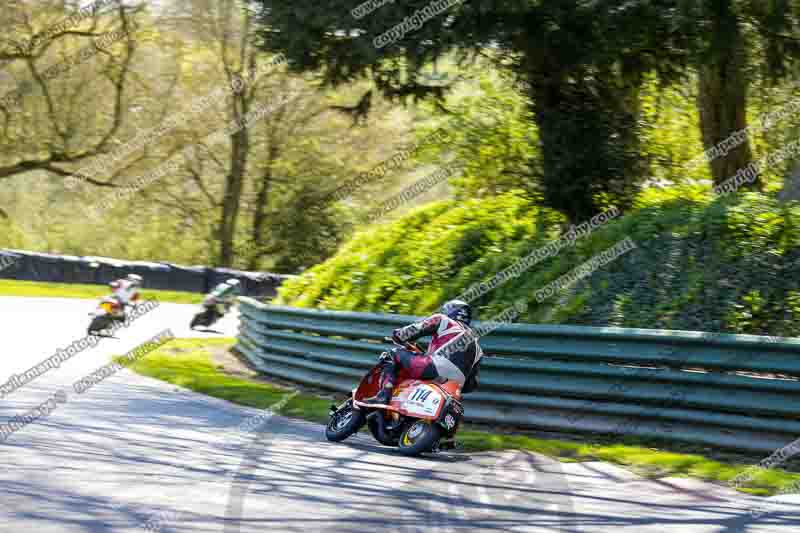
{"x": 189, "y": 363}
{"x": 196, "y": 365}
{"x": 74, "y": 290}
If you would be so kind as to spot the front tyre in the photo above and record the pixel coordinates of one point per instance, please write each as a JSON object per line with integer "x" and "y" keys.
{"x": 344, "y": 422}
{"x": 420, "y": 437}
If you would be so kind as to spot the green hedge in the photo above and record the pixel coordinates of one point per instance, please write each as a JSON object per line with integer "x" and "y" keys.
{"x": 728, "y": 264}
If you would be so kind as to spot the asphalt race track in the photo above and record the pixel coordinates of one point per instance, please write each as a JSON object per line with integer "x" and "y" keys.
{"x": 133, "y": 453}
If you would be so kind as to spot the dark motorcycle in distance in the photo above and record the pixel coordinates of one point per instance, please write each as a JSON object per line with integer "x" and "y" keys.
{"x": 213, "y": 310}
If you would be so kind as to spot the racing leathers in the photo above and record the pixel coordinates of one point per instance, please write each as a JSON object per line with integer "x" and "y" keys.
{"x": 125, "y": 291}
{"x": 451, "y": 355}
{"x": 222, "y": 295}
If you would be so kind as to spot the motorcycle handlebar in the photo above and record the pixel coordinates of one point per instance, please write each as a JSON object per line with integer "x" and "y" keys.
{"x": 400, "y": 344}
{"x": 410, "y": 346}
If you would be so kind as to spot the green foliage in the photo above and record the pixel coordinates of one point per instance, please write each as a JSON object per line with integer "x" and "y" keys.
{"x": 772, "y": 115}
{"x": 670, "y": 131}
{"x": 424, "y": 257}
{"x": 728, "y": 265}
{"x": 654, "y": 196}
{"x": 581, "y": 71}
{"x": 493, "y": 134}
{"x": 304, "y": 232}
{"x": 10, "y": 235}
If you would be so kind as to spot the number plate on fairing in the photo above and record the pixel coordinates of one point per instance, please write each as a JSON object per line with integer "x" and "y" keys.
{"x": 423, "y": 400}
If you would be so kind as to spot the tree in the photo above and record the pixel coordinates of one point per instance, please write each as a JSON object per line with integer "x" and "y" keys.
{"x": 730, "y": 38}
{"x": 582, "y": 64}
{"x": 59, "y": 61}
{"x": 492, "y": 133}
{"x": 245, "y": 200}
{"x": 240, "y": 179}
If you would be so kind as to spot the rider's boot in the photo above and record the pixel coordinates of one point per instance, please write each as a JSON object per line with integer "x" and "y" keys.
{"x": 388, "y": 379}
{"x": 382, "y": 398}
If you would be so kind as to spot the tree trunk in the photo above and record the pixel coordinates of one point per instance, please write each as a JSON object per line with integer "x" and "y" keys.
{"x": 561, "y": 190}
{"x": 231, "y": 203}
{"x": 260, "y": 216}
{"x": 589, "y": 143}
{"x": 240, "y": 140}
{"x": 722, "y": 95}
{"x": 791, "y": 185}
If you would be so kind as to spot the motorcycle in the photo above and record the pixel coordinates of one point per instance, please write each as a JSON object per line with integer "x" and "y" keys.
{"x": 421, "y": 417}
{"x": 108, "y": 311}
{"x": 210, "y": 314}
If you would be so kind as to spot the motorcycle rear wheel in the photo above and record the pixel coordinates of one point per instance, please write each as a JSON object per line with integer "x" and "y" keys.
{"x": 420, "y": 437}
{"x": 344, "y": 422}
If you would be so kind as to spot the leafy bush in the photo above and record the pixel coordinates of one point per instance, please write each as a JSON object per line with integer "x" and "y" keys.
{"x": 728, "y": 264}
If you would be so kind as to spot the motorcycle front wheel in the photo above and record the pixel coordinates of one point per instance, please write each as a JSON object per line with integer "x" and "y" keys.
{"x": 344, "y": 422}
{"x": 420, "y": 437}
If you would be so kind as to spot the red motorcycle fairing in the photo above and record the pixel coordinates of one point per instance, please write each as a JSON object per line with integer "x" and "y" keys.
{"x": 411, "y": 397}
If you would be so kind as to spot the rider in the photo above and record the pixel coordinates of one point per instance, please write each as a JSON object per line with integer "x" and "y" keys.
{"x": 452, "y": 352}
{"x": 126, "y": 290}
{"x": 224, "y": 293}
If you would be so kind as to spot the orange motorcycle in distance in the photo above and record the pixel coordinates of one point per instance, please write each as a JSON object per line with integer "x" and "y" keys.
{"x": 421, "y": 417}
{"x": 108, "y": 311}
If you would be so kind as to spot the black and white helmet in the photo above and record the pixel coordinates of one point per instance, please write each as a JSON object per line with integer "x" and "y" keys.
{"x": 135, "y": 279}
{"x": 458, "y": 310}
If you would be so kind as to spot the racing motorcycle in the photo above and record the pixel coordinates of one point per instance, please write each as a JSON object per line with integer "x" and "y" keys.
{"x": 421, "y": 417}
{"x": 212, "y": 311}
{"x": 108, "y": 311}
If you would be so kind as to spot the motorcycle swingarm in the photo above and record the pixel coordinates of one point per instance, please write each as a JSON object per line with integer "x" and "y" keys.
{"x": 387, "y": 426}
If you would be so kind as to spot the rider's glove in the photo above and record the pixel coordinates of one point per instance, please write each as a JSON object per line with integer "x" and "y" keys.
{"x": 386, "y": 357}
{"x": 396, "y": 338}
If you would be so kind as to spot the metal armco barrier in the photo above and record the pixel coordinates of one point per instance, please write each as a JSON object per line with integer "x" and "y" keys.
{"x": 31, "y": 266}
{"x": 729, "y": 391}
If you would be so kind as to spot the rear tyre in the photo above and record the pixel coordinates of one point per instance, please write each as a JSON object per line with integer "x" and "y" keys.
{"x": 344, "y": 422}
{"x": 420, "y": 437}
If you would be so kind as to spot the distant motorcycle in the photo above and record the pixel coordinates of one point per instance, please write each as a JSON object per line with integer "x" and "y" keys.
{"x": 212, "y": 311}
{"x": 108, "y": 311}
{"x": 421, "y": 417}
